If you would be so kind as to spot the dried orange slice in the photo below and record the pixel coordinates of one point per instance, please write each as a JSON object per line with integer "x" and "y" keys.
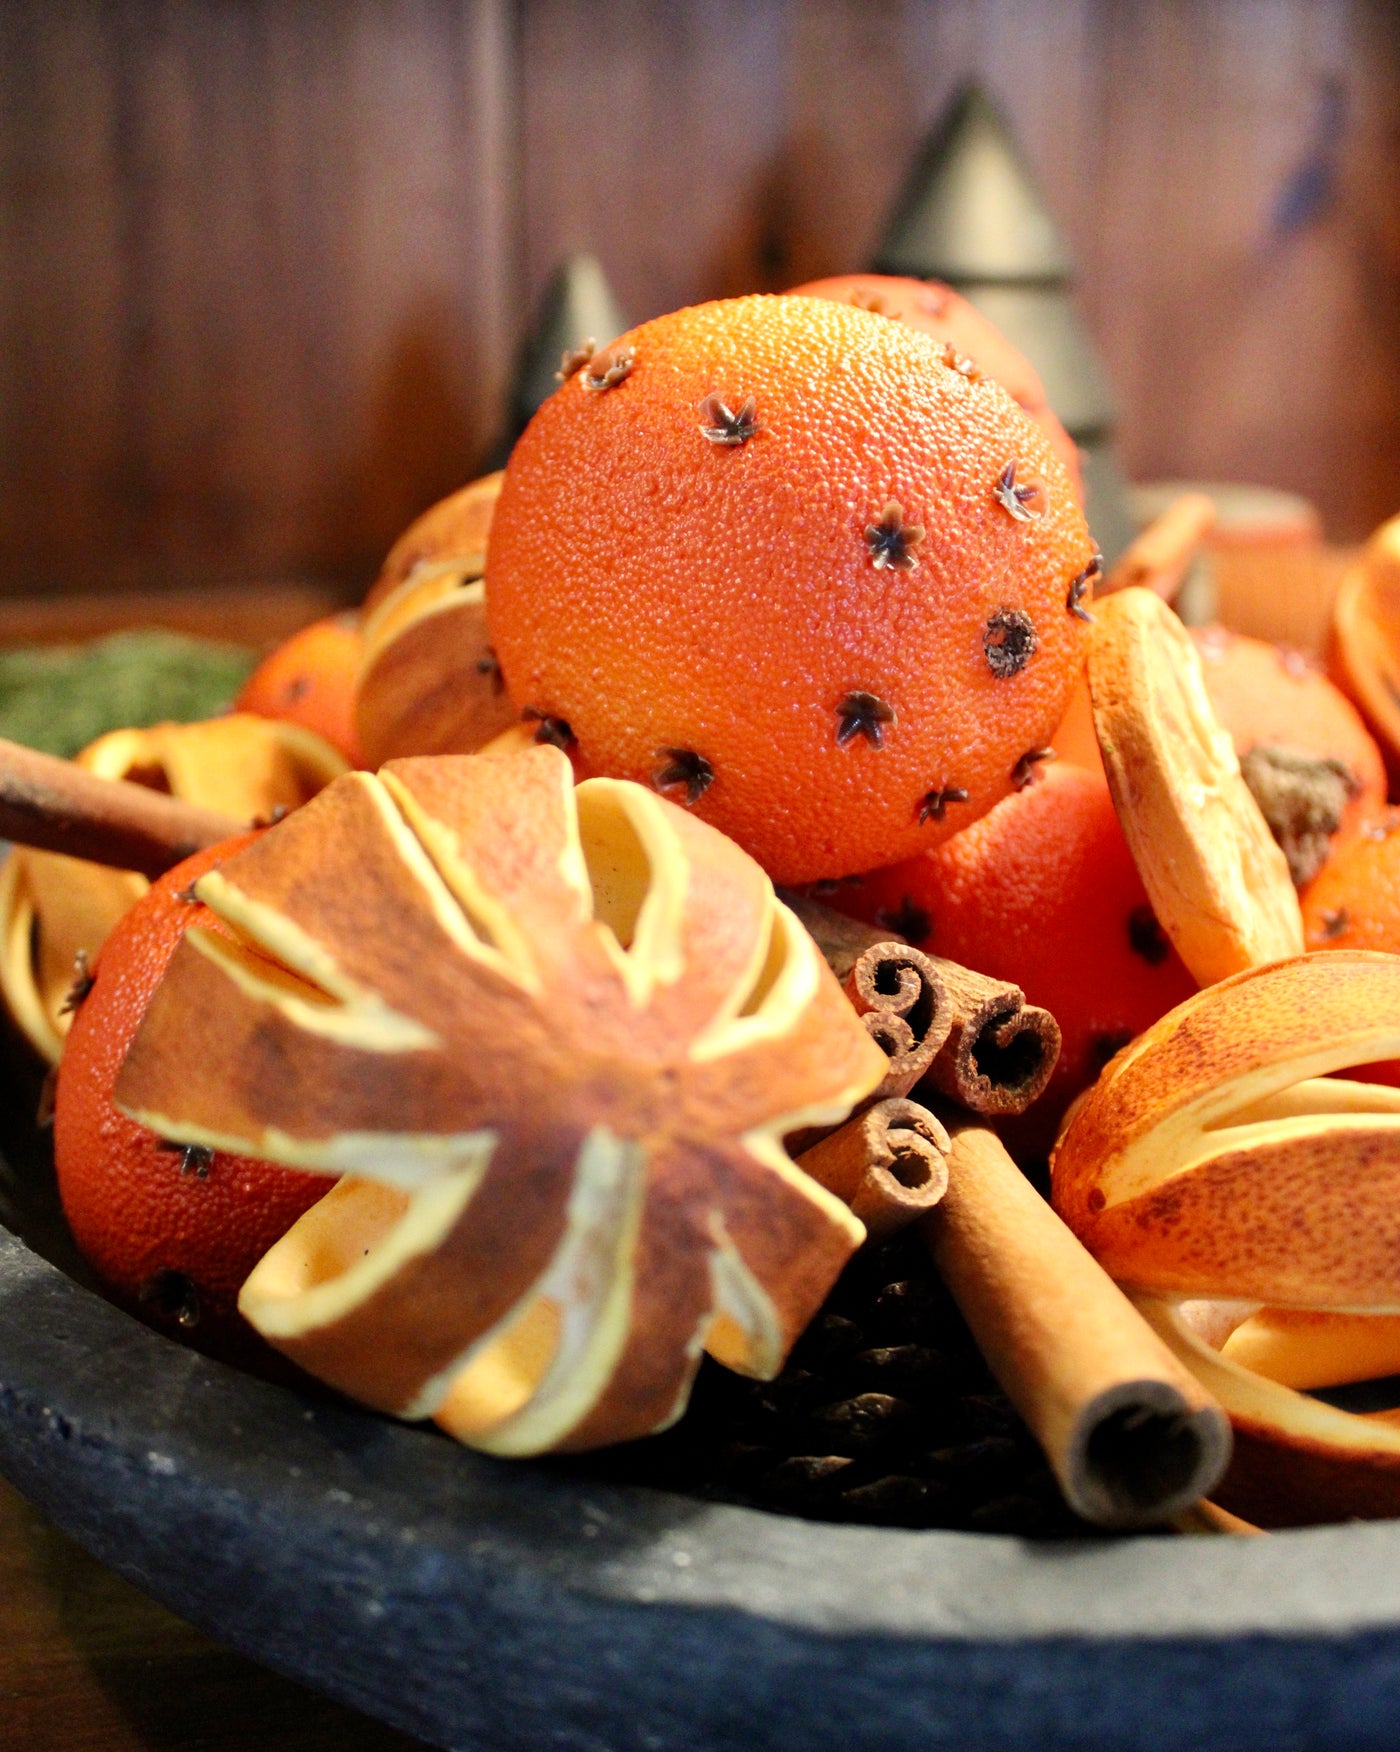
{"x": 1218, "y": 882}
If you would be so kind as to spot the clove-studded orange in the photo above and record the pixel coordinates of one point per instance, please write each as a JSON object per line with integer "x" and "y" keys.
{"x": 777, "y": 559}
{"x": 172, "y": 1231}
{"x": 554, "y": 1038}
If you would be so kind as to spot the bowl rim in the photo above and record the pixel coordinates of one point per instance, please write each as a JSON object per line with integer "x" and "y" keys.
{"x": 234, "y": 1501}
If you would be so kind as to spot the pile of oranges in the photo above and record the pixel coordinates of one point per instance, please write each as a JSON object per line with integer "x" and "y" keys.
{"x": 815, "y": 567}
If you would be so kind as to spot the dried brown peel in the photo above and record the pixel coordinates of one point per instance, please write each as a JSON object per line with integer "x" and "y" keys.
{"x": 1217, "y": 880}
{"x": 52, "y": 906}
{"x": 567, "y": 1031}
{"x": 428, "y": 681}
{"x": 1219, "y": 1157}
{"x": 1303, "y": 798}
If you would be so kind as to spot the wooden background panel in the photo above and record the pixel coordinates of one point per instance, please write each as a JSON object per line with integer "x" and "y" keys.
{"x": 257, "y": 292}
{"x": 651, "y": 135}
{"x": 265, "y": 265}
{"x": 1241, "y": 273}
{"x": 1225, "y": 172}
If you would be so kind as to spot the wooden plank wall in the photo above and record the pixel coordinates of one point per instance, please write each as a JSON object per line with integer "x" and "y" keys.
{"x": 264, "y": 263}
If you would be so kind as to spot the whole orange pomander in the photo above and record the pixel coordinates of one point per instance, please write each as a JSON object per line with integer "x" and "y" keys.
{"x": 977, "y": 344}
{"x": 775, "y": 558}
{"x": 171, "y": 1231}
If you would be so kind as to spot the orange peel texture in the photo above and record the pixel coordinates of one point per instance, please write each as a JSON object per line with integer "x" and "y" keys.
{"x": 977, "y": 344}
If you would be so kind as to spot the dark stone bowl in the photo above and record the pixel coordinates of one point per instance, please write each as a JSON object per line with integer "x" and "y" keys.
{"x": 517, "y": 1608}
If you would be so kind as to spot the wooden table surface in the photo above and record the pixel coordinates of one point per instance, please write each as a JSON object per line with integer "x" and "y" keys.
{"x": 89, "y": 1664}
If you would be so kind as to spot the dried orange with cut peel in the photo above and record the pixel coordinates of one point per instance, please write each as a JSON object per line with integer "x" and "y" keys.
{"x": 310, "y": 680}
{"x": 53, "y": 907}
{"x": 429, "y": 682}
{"x": 1220, "y": 1160}
{"x": 172, "y": 1233}
{"x": 775, "y": 558}
{"x": 976, "y": 343}
{"x": 1042, "y": 892}
{"x": 556, "y": 1037}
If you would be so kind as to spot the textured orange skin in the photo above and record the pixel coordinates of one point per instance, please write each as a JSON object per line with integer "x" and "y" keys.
{"x": 1360, "y": 880}
{"x": 132, "y": 1212}
{"x": 935, "y": 309}
{"x": 310, "y": 680}
{"x": 656, "y": 590}
{"x": 1039, "y": 892}
{"x": 1263, "y": 694}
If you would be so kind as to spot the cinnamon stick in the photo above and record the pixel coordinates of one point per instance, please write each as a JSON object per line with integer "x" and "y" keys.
{"x": 889, "y": 1163}
{"x": 996, "y": 1053}
{"x": 59, "y": 807}
{"x": 1131, "y": 1435}
{"x": 895, "y": 988}
{"x": 1001, "y": 1051}
{"x": 1159, "y": 557}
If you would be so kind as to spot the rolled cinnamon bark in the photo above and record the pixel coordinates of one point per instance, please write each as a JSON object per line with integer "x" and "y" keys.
{"x": 1000, "y": 1051}
{"x": 894, "y": 987}
{"x": 1131, "y": 1435}
{"x": 889, "y": 1164}
{"x": 994, "y": 1055}
{"x": 58, "y": 807}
